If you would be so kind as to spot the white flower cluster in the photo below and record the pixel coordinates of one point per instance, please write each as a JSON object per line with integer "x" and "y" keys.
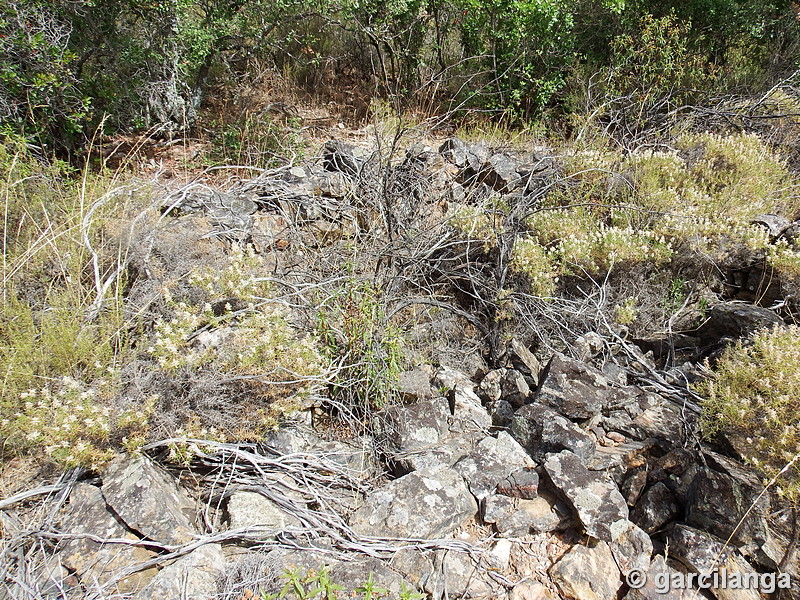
{"x": 534, "y": 260}
{"x": 66, "y": 418}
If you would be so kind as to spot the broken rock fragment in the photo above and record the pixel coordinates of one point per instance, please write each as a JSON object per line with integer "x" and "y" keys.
{"x": 594, "y": 497}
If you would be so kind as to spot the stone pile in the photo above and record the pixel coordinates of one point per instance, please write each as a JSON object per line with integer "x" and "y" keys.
{"x": 564, "y": 482}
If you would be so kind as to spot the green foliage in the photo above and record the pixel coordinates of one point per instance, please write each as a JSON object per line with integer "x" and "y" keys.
{"x": 364, "y": 346}
{"x": 40, "y": 96}
{"x": 655, "y": 61}
{"x": 256, "y": 140}
{"x": 524, "y": 45}
{"x": 59, "y": 355}
{"x": 315, "y": 584}
{"x": 752, "y": 398}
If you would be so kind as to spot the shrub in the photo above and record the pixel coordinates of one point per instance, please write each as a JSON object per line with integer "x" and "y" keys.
{"x": 364, "y": 347}
{"x": 751, "y": 397}
{"x": 533, "y": 260}
{"x": 63, "y": 331}
{"x": 257, "y": 343}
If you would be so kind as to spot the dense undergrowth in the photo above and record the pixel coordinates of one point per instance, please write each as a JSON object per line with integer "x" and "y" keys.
{"x": 664, "y": 134}
{"x": 652, "y": 228}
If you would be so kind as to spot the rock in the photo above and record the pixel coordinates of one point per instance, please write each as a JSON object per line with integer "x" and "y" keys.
{"x": 592, "y": 495}
{"x": 353, "y": 574}
{"x": 541, "y": 430}
{"x": 656, "y": 584}
{"x": 492, "y": 461}
{"x": 530, "y": 590}
{"x": 461, "y": 577}
{"x": 702, "y": 553}
{"x": 514, "y": 517}
{"x": 774, "y": 224}
{"x": 587, "y": 573}
{"x": 514, "y": 388}
{"x": 291, "y": 440}
{"x": 426, "y": 434}
{"x": 589, "y": 345}
{"x": 717, "y": 502}
{"x": 423, "y": 504}
{"x": 735, "y": 320}
{"x": 191, "y": 577}
{"x": 500, "y": 554}
{"x": 340, "y": 157}
{"x": 251, "y": 510}
{"x": 52, "y": 580}
{"x": 655, "y": 508}
{"x": 415, "y": 385}
{"x": 632, "y": 549}
{"x": 526, "y": 362}
{"x": 490, "y": 386}
{"x": 573, "y": 389}
{"x": 633, "y": 486}
{"x": 91, "y": 561}
{"x": 661, "y": 419}
{"x": 148, "y": 500}
{"x": 520, "y": 484}
{"x": 623, "y": 456}
{"x": 500, "y": 172}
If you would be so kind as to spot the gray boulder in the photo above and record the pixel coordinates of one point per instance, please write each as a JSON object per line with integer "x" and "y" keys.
{"x": 491, "y": 462}
{"x": 701, "y": 552}
{"x": 514, "y": 517}
{"x": 148, "y": 500}
{"x": 594, "y": 497}
{"x": 655, "y": 508}
{"x": 655, "y": 584}
{"x": 191, "y": 577}
{"x": 632, "y": 549}
{"x": 252, "y": 511}
{"x": 541, "y": 431}
{"x": 423, "y": 504}
{"x": 91, "y": 561}
{"x": 572, "y": 388}
{"x": 587, "y": 573}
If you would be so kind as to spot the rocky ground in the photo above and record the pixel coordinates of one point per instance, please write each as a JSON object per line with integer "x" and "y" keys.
{"x": 565, "y": 469}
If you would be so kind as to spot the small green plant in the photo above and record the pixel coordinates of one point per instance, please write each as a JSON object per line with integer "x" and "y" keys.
{"x": 365, "y": 347}
{"x": 63, "y": 331}
{"x": 313, "y": 584}
{"x": 370, "y": 590}
{"x": 626, "y": 312}
{"x": 751, "y": 397}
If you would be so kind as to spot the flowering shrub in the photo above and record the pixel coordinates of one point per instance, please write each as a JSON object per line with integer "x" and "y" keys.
{"x": 752, "y": 398}
{"x": 253, "y": 340}
{"x": 534, "y": 260}
{"x": 579, "y": 242}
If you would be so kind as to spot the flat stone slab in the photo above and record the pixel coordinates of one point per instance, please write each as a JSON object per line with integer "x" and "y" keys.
{"x": 148, "y": 500}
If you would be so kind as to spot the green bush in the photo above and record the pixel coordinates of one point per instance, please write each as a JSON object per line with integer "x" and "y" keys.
{"x": 751, "y": 397}
{"x": 277, "y": 363}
